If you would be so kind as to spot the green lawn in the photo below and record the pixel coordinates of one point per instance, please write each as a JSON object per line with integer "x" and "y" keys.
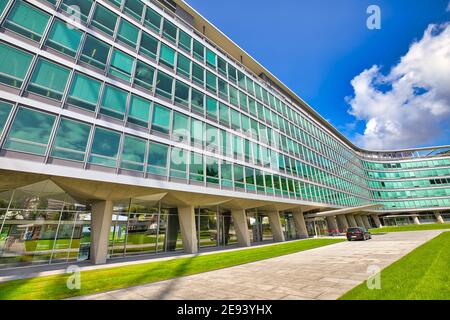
{"x": 54, "y": 287}
{"x": 423, "y": 274}
{"x": 412, "y": 227}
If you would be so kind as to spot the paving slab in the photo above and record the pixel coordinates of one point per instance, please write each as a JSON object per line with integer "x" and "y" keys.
{"x": 321, "y": 273}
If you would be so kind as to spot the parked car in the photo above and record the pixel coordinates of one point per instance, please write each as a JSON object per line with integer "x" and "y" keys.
{"x": 358, "y": 233}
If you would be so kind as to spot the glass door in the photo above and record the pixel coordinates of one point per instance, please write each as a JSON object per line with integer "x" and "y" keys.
{"x": 290, "y": 233}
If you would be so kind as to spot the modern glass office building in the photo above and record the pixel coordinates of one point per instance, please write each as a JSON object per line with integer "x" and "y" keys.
{"x": 136, "y": 127}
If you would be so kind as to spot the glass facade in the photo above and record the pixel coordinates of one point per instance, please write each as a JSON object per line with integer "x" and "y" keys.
{"x": 132, "y": 91}
{"x": 42, "y": 224}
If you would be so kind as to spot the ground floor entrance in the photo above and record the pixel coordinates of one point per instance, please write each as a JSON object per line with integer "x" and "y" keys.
{"x": 317, "y": 227}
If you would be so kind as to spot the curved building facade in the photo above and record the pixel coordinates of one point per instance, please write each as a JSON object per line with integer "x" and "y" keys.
{"x": 136, "y": 127}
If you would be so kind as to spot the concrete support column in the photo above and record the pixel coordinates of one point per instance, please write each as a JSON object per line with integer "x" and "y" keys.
{"x": 331, "y": 224}
{"x": 275, "y": 226}
{"x": 300, "y": 225}
{"x": 101, "y": 218}
{"x": 241, "y": 228}
{"x": 186, "y": 215}
{"x": 366, "y": 222}
{"x": 351, "y": 220}
{"x": 377, "y": 221}
{"x": 416, "y": 220}
{"x": 359, "y": 221}
{"x": 439, "y": 218}
{"x": 342, "y": 222}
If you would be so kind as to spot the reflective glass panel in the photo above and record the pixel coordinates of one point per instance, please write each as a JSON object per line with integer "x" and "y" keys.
{"x": 30, "y": 131}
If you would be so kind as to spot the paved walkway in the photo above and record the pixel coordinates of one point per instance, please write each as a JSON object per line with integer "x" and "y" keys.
{"x": 321, "y": 273}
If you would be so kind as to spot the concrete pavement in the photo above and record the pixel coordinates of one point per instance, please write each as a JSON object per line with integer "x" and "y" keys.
{"x": 321, "y": 273}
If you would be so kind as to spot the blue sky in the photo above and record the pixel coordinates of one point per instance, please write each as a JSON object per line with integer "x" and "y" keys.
{"x": 317, "y": 47}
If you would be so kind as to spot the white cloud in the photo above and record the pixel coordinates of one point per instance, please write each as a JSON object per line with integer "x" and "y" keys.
{"x": 411, "y": 105}
{"x": 448, "y": 7}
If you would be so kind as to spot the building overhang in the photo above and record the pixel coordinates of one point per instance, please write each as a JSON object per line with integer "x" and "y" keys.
{"x": 353, "y": 210}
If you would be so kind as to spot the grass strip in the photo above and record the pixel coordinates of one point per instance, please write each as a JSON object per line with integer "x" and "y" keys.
{"x": 412, "y": 227}
{"x": 423, "y": 274}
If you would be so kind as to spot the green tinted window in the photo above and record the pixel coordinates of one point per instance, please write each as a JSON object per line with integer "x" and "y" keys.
{"x": 222, "y": 66}
{"x": 167, "y": 55}
{"x": 211, "y": 58}
{"x": 243, "y": 101}
{"x": 197, "y": 101}
{"x": 152, "y": 19}
{"x": 235, "y": 119}
{"x": 212, "y": 170}
{"x": 212, "y": 139}
{"x": 196, "y": 167}
{"x": 5, "y": 109}
{"x": 95, "y": 52}
{"x": 259, "y": 180}
{"x": 211, "y": 81}
{"x": 180, "y": 127}
{"x": 250, "y": 87}
{"x": 133, "y": 154}
{"x": 149, "y": 46}
{"x": 198, "y": 73}
{"x": 114, "y": 102}
{"x": 157, "y": 159}
{"x": 185, "y": 41}
{"x": 199, "y": 50}
{"x": 27, "y": 20}
{"x": 144, "y": 75}
{"x": 181, "y": 93}
{"x": 258, "y": 91}
{"x": 226, "y": 173}
{"x": 3, "y": 5}
{"x": 233, "y": 96}
{"x": 128, "y": 33}
{"x": 223, "y": 89}
{"x": 224, "y": 114}
{"x": 121, "y": 65}
{"x": 48, "y": 79}
{"x": 239, "y": 176}
{"x": 84, "y": 5}
{"x": 211, "y": 107}
{"x": 104, "y": 19}
{"x": 231, "y": 73}
{"x": 14, "y": 65}
{"x": 30, "y": 131}
{"x": 250, "y": 178}
{"x": 71, "y": 140}
{"x": 63, "y": 38}
{"x": 160, "y": 119}
{"x": 178, "y": 161}
{"x": 226, "y": 148}
{"x": 241, "y": 80}
{"x": 197, "y": 131}
{"x": 84, "y": 92}
{"x": 245, "y": 124}
{"x": 134, "y": 8}
{"x": 269, "y": 182}
{"x": 164, "y": 85}
{"x": 252, "y": 107}
{"x": 139, "y": 111}
{"x": 237, "y": 146}
{"x": 184, "y": 66}
{"x": 169, "y": 31}
{"x": 105, "y": 147}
